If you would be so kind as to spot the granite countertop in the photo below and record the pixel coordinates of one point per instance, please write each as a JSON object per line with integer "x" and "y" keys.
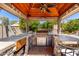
{"x": 6, "y": 45}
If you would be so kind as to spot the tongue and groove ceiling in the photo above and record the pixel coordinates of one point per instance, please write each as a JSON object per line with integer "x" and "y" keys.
{"x": 33, "y": 9}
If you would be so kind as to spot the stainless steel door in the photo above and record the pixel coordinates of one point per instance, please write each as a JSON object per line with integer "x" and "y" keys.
{"x": 41, "y": 41}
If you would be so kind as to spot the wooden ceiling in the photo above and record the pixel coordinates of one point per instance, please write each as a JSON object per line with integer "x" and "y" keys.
{"x": 34, "y": 9}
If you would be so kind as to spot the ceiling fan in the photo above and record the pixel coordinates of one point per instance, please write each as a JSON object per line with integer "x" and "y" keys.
{"x": 44, "y": 7}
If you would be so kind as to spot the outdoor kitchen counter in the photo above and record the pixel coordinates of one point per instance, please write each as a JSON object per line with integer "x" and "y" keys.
{"x": 10, "y": 42}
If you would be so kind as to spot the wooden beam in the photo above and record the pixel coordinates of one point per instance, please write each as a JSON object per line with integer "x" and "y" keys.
{"x": 70, "y": 13}
{"x": 20, "y": 7}
{"x": 65, "y": 8}
{"x": 59, "y": 25}
{"x": 7, "y": 8}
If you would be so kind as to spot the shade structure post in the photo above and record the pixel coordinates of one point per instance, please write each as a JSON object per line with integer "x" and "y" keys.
{"x": 59, "y": 26}
{"x": 27, "y": 25}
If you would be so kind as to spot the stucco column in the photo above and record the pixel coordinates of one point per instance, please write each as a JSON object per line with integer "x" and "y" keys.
{"x": 59, "y": 26}
{"x": 27, "y": 25}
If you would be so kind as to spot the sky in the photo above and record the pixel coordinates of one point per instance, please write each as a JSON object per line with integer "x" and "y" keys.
{"x": 8, "y": 15}
{"x": 74, "y": 16}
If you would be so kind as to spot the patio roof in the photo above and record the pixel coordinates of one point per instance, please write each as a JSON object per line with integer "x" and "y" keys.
{"x": 33, "y": 9}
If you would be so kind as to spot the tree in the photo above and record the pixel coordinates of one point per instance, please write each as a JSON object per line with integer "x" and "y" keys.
{"x": 71, "y": 26}
{"x": 5, "y": 22}
{"x": 13, "y": 22}
{"x": 47, "y": 25}
{"x": 22, "y": 24}
{"x": 33, "y": 25}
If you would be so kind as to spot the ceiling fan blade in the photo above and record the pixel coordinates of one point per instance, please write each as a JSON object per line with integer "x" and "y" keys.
{"x": 48, "y": 11}
{"x": 45, "y": 6}
{"x": 42, "y": 3}
{"x": 51, "y": 5}
{"x": 28, "y": 15}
